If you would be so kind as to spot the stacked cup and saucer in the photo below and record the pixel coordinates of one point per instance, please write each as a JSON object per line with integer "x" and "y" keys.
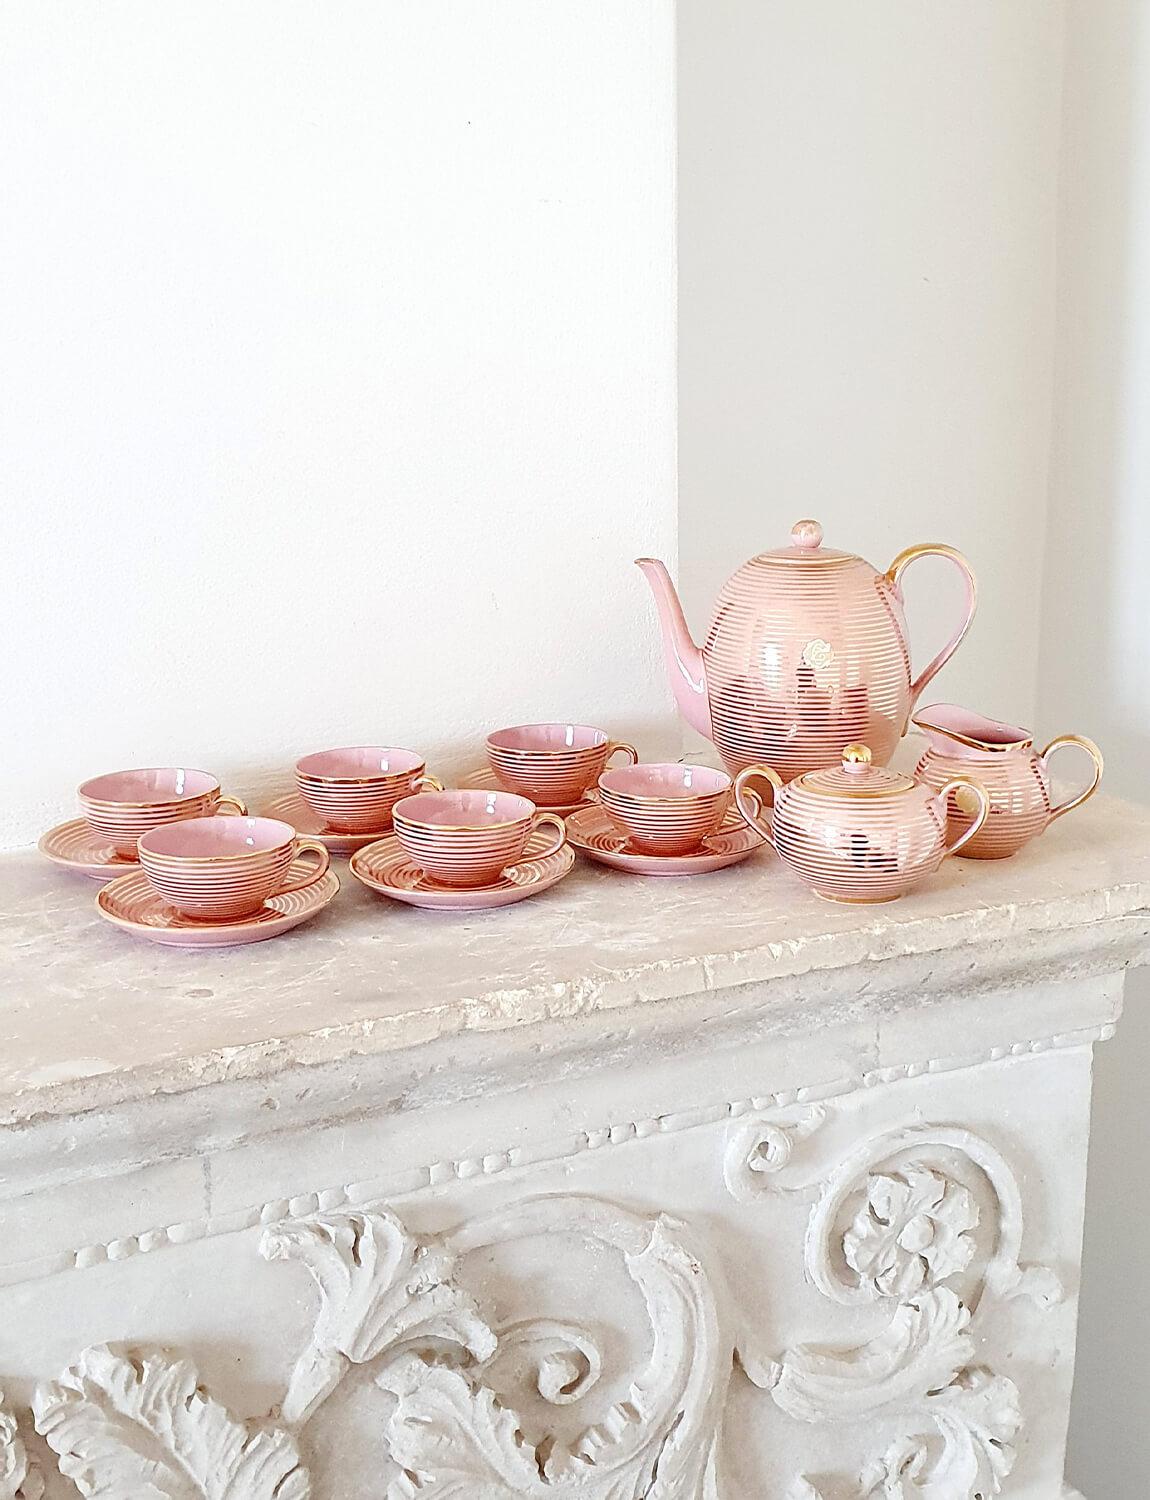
{"x": 663, "y": 819}
{"x": 184, "y": 865}
{"x": 500, "y": 837}
{"x": 344, "y": 797}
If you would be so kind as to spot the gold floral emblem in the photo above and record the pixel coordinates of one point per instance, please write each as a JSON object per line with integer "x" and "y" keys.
{"x": 818, "y": 653}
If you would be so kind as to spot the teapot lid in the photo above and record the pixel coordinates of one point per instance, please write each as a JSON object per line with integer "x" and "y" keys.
{"x": 856, "y": 777}
{"x": 806, "y": 548}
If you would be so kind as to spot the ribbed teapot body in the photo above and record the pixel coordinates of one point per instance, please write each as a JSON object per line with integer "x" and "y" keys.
{"x": 803, "y": 657}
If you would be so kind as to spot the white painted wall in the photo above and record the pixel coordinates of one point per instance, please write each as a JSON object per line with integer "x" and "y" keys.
{"x": 867, "y": 211}
{"x": 337, "y": 385}
{"x": 1095, "y": 665}
{"x": 915, "y": 299}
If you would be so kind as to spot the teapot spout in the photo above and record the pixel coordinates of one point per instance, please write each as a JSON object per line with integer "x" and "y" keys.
{"x": 684, "y": 659}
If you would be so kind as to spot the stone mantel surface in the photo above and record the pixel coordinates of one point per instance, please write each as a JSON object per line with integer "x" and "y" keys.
{"x": 90, "y": 1018}
{"x": 643, "y": 1190}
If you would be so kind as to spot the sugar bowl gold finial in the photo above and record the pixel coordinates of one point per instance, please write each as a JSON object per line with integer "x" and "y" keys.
{"x": 856, "y": 755}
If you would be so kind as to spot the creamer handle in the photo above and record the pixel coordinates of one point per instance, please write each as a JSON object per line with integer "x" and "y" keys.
{"x": 1095, "y": 755}
{"x": 895, "y": 572}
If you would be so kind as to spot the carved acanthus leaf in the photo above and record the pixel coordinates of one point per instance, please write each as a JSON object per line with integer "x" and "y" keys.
{"x": 921, "y": 1349}
{"x": 19, "y": 1480}
{"x": 454, "y": 1438}
{"x": 379, "y": 1292}
{"x": 914, "y": 1230}
{"x": 137, "y": 1423}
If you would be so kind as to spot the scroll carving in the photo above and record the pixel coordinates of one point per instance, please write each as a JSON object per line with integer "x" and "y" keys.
{"x": 379, "y": 1291}
{"x": 477, "y": 1403}
{"x": 894, "y": 1225}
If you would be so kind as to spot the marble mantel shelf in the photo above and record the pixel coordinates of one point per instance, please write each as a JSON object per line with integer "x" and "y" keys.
{"x": 706, "y": 1180}
{"x": 91, "y": 1019}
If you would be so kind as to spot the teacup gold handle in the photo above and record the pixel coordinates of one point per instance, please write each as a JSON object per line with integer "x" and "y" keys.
{"x": 323, "y": 864}
{"x": 755, "y": 811}
{"x": 1095, "y": 755}
{"x": 980, "y": 817}
{"x": 613, "y": 746}
{"x": 232, "y": 807}
{"x": 557, "y": 823}
{"x": 427, "y": 784}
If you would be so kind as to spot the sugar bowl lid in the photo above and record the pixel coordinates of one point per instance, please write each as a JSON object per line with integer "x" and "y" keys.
{"x": 856, "y": 777}
{"x": 806, "y": 549}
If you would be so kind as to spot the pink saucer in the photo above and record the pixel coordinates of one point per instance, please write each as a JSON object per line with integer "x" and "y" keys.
{"x": 485, "y": 780}
{"x": 294, "y": 810}
{"x": 75, "y": 847}
{"x": 386, "y": 868}
{"x": 592, "y": 832}
{"x": 131, "y": 903}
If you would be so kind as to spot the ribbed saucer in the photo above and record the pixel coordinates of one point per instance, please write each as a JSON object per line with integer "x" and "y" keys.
{"x": 294, "y": 810}
{"x": 75, "y": 847}
{"x": 385, "y": 867}
{"x": 131, "y": 903}
{"x": 592, "y": 832}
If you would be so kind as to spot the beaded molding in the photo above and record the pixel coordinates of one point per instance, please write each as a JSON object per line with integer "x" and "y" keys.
{"x": 465, "y": 1169}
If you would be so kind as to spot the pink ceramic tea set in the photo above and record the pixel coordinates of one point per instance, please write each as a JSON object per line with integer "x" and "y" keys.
{"x": 804, "y": 686}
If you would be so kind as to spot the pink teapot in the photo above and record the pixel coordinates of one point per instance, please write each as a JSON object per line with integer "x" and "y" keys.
{"x": 807, "y": 651}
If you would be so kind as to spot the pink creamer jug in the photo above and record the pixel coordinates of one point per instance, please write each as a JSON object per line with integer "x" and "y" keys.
{"x": 1003, "y": 759}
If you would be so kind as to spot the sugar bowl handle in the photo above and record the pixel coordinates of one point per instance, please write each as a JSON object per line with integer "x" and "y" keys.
{"x": 943, "y": 800}
{"x": 894, "y": 574}
{"x": 1095, "y": 755}
{"x": 751, "y": 805}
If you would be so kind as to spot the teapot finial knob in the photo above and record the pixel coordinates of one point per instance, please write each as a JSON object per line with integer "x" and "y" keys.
{"x": 856, "y": 758}
{"x": 807, "y": 534}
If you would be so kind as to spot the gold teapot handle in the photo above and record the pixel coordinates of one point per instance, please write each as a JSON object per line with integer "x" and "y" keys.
{"x": 895, "y": 572}
{"x": 1095, "y": 755}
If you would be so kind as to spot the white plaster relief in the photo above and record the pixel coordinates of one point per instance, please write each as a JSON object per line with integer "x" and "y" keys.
{"x": 437, "y": 1174}
{"x": 19, "y": 1480}
{"x": 137, "y": 1423}
{"x": 893, "y": 1225}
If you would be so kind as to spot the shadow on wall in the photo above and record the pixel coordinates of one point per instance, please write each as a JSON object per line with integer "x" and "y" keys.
{"x": 1095, "y": 668}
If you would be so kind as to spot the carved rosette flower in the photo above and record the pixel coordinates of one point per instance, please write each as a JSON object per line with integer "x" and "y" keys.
{"x": 138, "y": 1423}
{"x": 914, "y": 1230}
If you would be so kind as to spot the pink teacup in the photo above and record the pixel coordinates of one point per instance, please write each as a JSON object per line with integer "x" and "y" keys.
{"x": 468, "y": 838}
{"x": 665, "y": 809}
{"x": 223, "y": 868}
{"x": 122, "y": 805}
{"x": 552, "y": 763}
{"x": 354, "y": 789}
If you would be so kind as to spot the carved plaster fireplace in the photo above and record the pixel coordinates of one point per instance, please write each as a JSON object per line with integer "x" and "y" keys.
{"x": 647, "y": 1190}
